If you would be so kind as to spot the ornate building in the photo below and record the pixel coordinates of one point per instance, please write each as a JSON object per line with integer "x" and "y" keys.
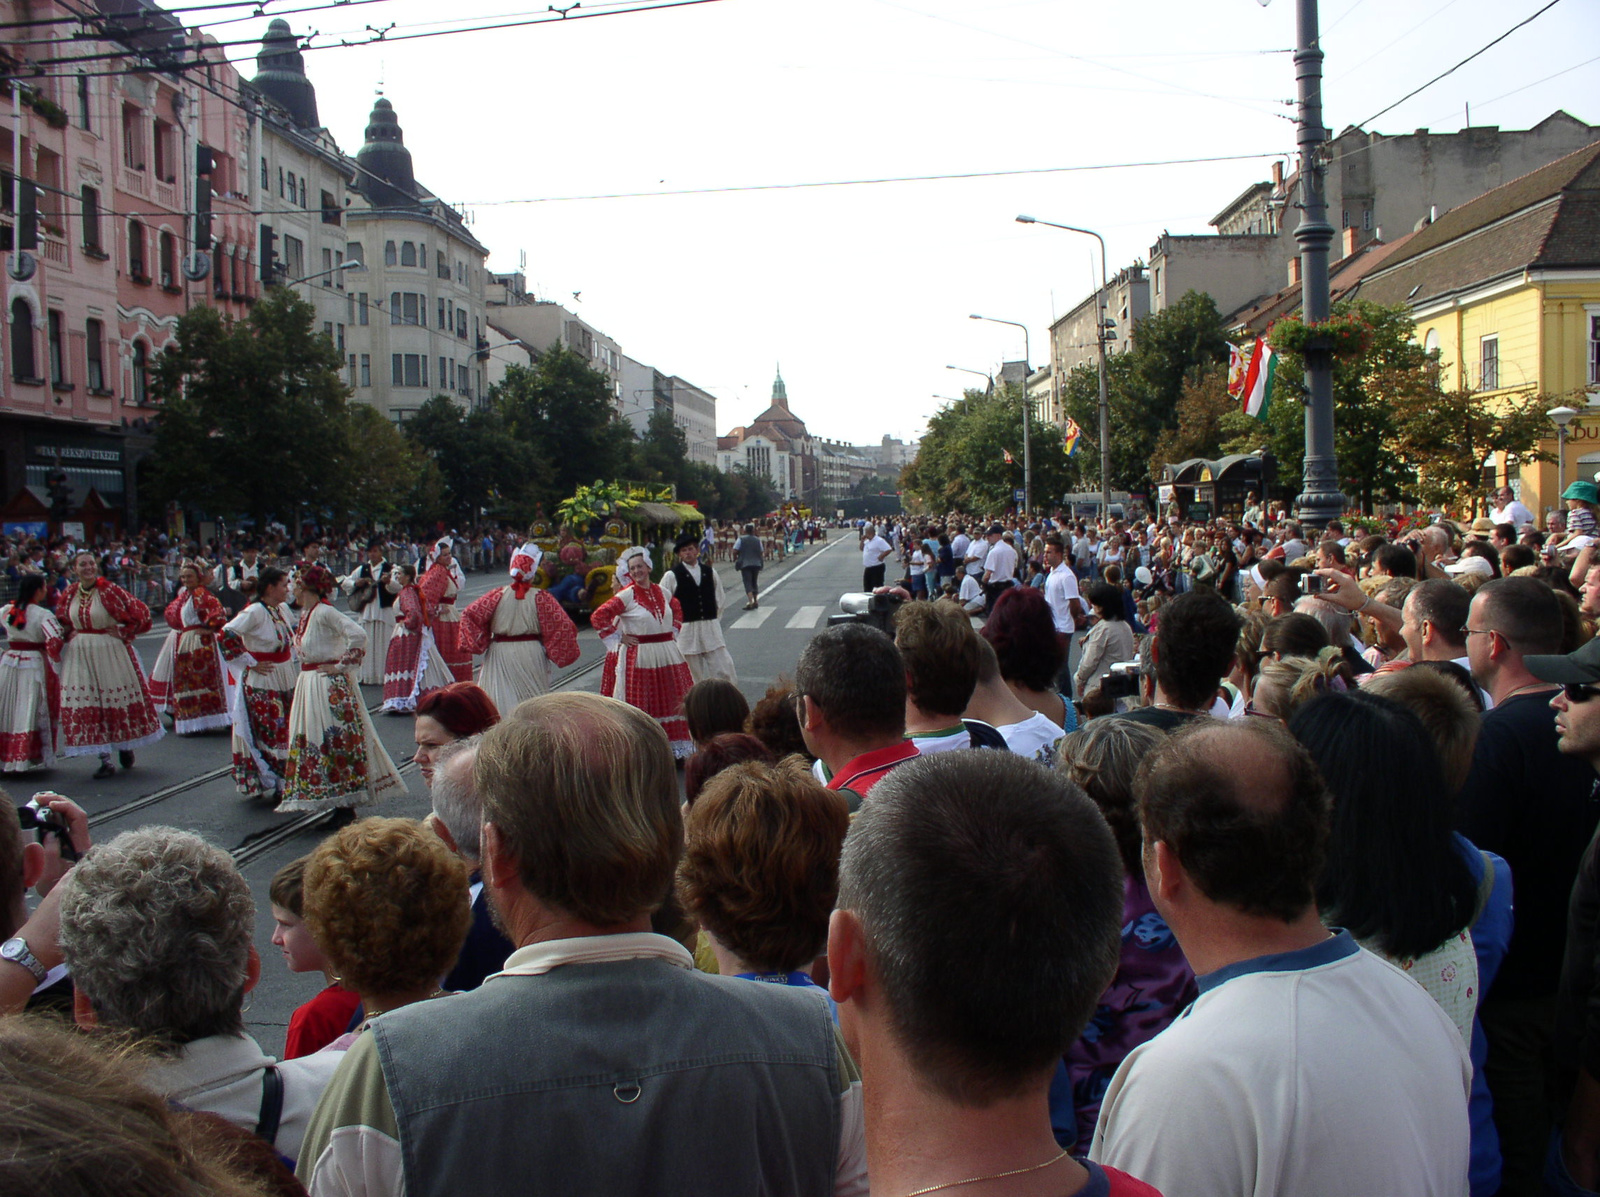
{"x": 777, "y": 445}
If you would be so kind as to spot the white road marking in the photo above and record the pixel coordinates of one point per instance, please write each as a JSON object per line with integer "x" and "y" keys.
{"x": 805, "y": 617}
{"x": 751, "y": 620}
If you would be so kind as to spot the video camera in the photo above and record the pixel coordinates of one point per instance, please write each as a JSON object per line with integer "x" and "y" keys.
{"x": 1121, "y": 680}
{"x": 874, "y": 609}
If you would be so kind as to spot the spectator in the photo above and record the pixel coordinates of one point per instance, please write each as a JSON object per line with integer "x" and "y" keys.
{"x": 1192, "y": 650}
{"x": 850, "y": 695}
{"x": 447, "y": 714}
{"x": 749, "y": 555}
{"x": 1434, "y": 614}
{"x": 1533, "y": 805}
{"x": 1394, "y": 561}
{"x": 647, "y": 1062}
{"x": 1109, "y": 641}
{"x": 719, "y": 753}
{"x": 875, "y": 551}
{"x": 940, "y": 651}
{"x": 1282, "y": 591}
{"x": 712, "y": 708}
{"x": 774, "y": 722}
{"x": 383, "y": 899}
{"x": 1031, "y": 654}
{"x": 316, "y": 1023}
{"x": 760, "y": 869}
{"x": 993, "y": 703}
{"x": 1286, "y": 684}
{"x": 1153, "y": 983}
{"x": 1443, "y": 696}
{"x": 1293, "y": 635}
{"x": 37, "y": 863}
{"x": 999, "y": 566}
{"x": 1379, "y": 1074}
{"x": 457, "y": 819}
{"x": 156, "y": 927}
{"x": 959, "y": 1030}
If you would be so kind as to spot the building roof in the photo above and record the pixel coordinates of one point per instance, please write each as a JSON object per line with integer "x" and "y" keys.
{"x": 778, "y": 422}
{"x": 1547, "y": 219}
{"x": 1345, "y": 277}
{"x": 1249, "y": 193}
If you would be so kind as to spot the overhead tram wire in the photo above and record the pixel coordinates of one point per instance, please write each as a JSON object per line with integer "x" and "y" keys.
{"x": 149, "y": 27}
{"x": 260, "y": 4}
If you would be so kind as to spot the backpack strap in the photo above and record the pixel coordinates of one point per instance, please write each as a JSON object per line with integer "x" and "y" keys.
{"x": 271, "y": 1104}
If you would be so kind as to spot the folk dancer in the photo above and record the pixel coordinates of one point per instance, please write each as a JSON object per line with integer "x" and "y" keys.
{"x": 644, "y": 666}
{"x": 371, "y": 578}
{"x": 521, "y": 631}
{"x": 189, "y": 680}
{"x": 412, "y": 666}
{"x": 440, "y": 585}
{"x": 335, "y": 757}
{"x": 30, "y": 690}
{"x": 698, "y": 590}
{"x": 105, "y": 700}
{"x": 259, "y": 643}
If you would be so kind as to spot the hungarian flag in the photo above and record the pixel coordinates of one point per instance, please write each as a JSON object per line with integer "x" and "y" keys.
{"x": 1009, "y": 459}
{"x": 1069, "y": 439}
{"x": 1256, "y": 389}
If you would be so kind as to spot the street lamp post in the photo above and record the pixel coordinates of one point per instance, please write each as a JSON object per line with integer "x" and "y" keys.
{"x": 1100, "y": 341}
{"x": 1561, "y": 417}
{"x": 1027, "y": 410}
{"x": 987, "y": 378}
{"x": 350, "y": 265}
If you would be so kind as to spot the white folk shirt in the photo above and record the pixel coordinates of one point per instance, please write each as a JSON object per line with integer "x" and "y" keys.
{"x": 1060, "y": 588}
{"x": 700, "y": 635}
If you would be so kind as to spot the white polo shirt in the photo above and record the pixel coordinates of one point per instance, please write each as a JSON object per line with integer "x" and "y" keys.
{"x": 1060, "y": 588}
{"x": 1001, "y": 563}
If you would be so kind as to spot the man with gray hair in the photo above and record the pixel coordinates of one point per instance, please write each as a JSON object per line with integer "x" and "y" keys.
{"x": 599, "y": 1060}
{"x": 457, "y": 819}
{"x": 156, "y": 929}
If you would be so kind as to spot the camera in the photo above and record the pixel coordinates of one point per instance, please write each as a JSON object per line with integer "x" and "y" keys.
{"x": 42, "y": 821}
{"x": 1312, "y": 584}
{"x": 874, "y": 609}
{"x": 1121, "y": 680}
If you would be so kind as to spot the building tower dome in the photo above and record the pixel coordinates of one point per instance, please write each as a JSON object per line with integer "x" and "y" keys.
{"x": 780, "y": 393}
{"x": 386, "y": 179}
{"x": 281, "y": 75}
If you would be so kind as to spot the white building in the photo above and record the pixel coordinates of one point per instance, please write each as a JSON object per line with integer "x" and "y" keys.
{"x": 695, "y": 411}
{"x": 541, "y": 323}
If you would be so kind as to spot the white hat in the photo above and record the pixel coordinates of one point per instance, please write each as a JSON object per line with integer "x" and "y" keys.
{"x": 1471, "y": 565}
{"x": 525, "y": 561}
{"x": 1143, "y": 576}
{"x": 440, "y": 545}
{"x": 630, "y": 553}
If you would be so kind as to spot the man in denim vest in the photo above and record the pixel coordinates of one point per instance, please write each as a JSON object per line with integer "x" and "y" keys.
{"x": 599, "y": 1060}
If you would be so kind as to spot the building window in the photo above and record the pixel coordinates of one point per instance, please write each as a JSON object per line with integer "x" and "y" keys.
{"x": 352, "y": 369}
{"x": 338, "y": 336}
{"x": 219, "y": 271}
{"x": 408, "y": 308}
{"x": 366, "y": 369}
{"x": 409, "y": 369}
{"x": 461, "y": 323}
{"x": 444, "y": 374}
{"x": 132, "y": 138}
{"x": 280, "y": 182}
{"x": 1594, "y": 350}
{"x": 292, "y": 186}
{"x": 441, "y": 267}
{"x": 330, "y": 209}
{"x": 91, "y": 221}
{"x": 442, "y": 324}
{"x": 408, "y": 253}
{"x": 169, "y": 260}
{"x": 354, "y": 252}
{"x": 390, "y": 257}
{"x": 136, "y": 265}
{"x": 361, "y": 309}
{"x": 1366, "y": 220}
{"x": 58, "y": 351}
{"x": 266, "y": 178}
{"x": 94, "y": 336}
{"x": 83, "y": 102}
{"x": 294, "y": 256}
{"x": 327, "y": 268}
{"x": 1489, "y": 364}
{"x": 141, "y": 373}
{"x": 22, "y": 365}
{"x": 166, "y": 168}
{"x": 394, "y": 307}
{"x": 338, "y": 269}
{"x": 327, "y": 330}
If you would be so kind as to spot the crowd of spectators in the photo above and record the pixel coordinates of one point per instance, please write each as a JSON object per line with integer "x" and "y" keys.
{"x": 1204, "y": 863}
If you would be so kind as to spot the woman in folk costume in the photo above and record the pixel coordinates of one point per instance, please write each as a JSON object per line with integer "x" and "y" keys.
{"x": 699, "y": 593}
{"x": 412, "y": 666}
{"x": 440, "y": 585}
{"x": 521, "y": 631}
{"x": 105, "y": 701}
{"x": 644, "y": 666}
{"x": 335, "y": 758}
{"x": 189, "y": 681}
{"x": 371, "y": 580}
{"x": 30, "y": 692}
{"x": 259, "y": 641}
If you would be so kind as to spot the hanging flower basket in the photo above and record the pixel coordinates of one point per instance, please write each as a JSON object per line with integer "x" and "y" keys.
{"x": 1343, "y": 336}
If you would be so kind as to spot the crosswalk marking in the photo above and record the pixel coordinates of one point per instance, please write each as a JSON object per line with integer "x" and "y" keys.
{"x": 754, "y": 619}
{"x": 805, "y": 617}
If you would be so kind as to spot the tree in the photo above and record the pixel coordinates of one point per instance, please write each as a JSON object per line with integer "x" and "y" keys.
{"x": 253, "y": 412}
{"x": 1445, "y": 437}
{"x": 961, "y": 464}
{"x": 390, "y": 477}
{"x": 1208, "y": 419}
{"x": 471, "y": 451}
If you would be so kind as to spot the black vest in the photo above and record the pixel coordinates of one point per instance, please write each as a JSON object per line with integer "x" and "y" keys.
{"x": 385, "y": 599}
{"x": 698, "y": 601}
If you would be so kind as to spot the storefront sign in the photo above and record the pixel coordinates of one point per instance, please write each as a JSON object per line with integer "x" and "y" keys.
{"x": 76, "y": 453}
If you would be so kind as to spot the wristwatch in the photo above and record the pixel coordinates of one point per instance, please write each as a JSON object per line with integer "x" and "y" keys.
{"x": 16, "y": 950}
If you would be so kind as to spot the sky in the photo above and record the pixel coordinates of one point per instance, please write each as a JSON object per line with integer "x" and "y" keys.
{"x": 862, "y": 292}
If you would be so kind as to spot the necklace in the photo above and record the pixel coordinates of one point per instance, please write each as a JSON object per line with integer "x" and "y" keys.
{"x": 972, "y": 1180}
{"x": 1528, "y": 687}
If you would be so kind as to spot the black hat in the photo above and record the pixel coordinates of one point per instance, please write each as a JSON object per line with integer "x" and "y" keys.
{"x": 1580, "y": 667}
{"x": 684, "y": 541}
{"x": 995, "y": 530}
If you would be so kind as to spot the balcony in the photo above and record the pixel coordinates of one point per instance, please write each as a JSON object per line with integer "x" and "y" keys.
{"x": 135, "y": 182}
{"x": 166, "y": 194}
{"x": 53, "y": 250}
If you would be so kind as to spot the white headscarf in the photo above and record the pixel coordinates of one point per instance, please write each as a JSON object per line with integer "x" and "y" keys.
{"x": 629, "y": 554}
{"x": 443, "y": 543}
{"x": 525, "y": 562}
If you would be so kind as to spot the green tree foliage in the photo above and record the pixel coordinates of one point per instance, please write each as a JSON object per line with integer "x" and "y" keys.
{"x": 254, "y": 412}
{"x": 1445, "y": 436}
{"x": 961, "y": 464}
{"x": 390, "y": 478}
{"x": 1208, "y": 419}
{"x": 471, "y": 452}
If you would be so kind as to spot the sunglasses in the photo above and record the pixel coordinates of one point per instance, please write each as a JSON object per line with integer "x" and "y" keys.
{"x": 1579, "y": 692}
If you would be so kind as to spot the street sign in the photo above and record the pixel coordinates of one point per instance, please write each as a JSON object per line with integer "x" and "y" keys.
{"x": 1018, "y": 494}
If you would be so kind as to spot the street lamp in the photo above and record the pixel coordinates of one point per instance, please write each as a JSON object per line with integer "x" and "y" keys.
{"x": 1100, "y": 340}
{"x": 350, "y": 265}
{"x": 1561, "y": 417}
{"x": 953, "y": 399}
{"x": 1027, "y": 410}
{"x": 988, "y": 378}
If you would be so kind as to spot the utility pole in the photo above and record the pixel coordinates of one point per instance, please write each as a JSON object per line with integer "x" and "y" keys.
{"x": 1320, "y": 500}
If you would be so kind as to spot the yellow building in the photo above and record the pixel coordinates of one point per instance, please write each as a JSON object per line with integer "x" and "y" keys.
{"x": 1507, "y": 289}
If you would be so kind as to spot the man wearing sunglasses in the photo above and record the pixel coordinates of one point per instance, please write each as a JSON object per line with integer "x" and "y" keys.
{"x": 1573, "y": 1164}
{"x": 1533, "y": 805}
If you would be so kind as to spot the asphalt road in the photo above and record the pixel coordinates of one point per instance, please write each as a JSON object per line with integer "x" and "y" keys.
{"x": 184, "y": 782}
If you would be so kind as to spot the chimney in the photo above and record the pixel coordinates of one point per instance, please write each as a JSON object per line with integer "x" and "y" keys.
{"x": 1294, "y": 272}
{"x": 1347, "y": 243}
{"x": 1277, "y": 175}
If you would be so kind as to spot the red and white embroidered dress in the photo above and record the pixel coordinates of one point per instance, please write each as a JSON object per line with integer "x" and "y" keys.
{"x": 412, "y": 665}
{"x": 30, "y": 692}
{"x": 189, "y": 680}
{"x": 440, "y": 586}
{"x": 520, "y": 636}
{"x": 105, "y": 701}
{"x": 651, "y": 675}
{"x": 259, "y": 642}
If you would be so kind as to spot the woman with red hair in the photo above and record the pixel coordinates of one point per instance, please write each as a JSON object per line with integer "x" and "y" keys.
{"x": 446, "y": 715}
{"x": 1022, "y": 633}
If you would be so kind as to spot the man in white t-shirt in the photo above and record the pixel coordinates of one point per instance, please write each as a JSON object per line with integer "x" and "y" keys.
{"x": 1306, "y": 1065}
{"x": 875, "y": 551}
{"x": 1061, "y": 589}
{"x": 1509, "y": 510}
{"x": 958, "y": 548}
{"x": 972, "y": 561}
{"x": 971, "y": 595}
{"x": 999, "y": 566}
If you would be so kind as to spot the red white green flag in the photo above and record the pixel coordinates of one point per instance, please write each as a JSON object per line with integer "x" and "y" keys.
{"x": 1255, "y": 390}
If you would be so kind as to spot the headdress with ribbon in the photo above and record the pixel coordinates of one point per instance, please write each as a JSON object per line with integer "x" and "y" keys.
{"x": 443, "y": 543}
{"x": 629, "y": 554}
{"x": 524, "y": 563}
{"x": 318, "y": 578}
{"x": 200, "y": 566}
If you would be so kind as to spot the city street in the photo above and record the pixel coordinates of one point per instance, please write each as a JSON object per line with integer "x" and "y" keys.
{"x": 185, "y": 783}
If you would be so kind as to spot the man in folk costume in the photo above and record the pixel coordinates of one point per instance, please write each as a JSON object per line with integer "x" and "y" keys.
{"x": 376, "y": 615}
{"x": 440, "y": 586}
{"x": 521, "y": 631}
{"x": 698, "y": 590}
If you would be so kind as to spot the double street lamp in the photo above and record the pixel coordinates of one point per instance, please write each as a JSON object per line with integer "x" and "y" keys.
{"x": 1100, "y": 340}
{"x": 1561, "y": 417}
{"x": 1027, "y": 410}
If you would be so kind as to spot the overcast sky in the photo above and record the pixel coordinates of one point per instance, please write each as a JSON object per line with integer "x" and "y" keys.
{"x": 863, "y": 292}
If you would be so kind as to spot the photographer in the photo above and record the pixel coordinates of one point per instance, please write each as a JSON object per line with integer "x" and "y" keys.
{"x": 31, "y": 972}
{"x": 1110, "y": 639}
